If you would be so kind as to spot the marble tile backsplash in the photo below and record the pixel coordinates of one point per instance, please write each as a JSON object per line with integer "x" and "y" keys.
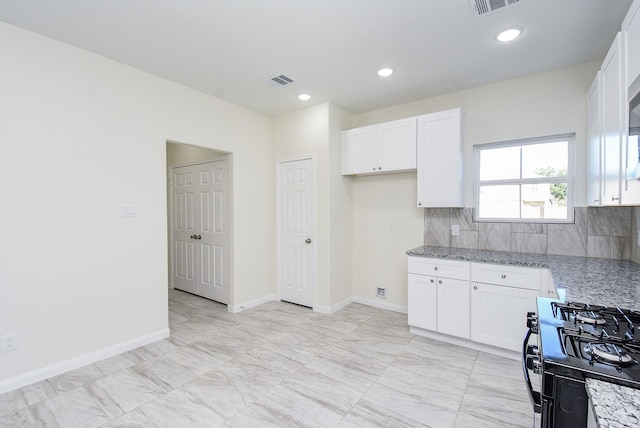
{"x": 604, "y": 232}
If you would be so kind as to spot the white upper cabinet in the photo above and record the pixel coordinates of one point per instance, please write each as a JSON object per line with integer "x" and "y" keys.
{"x": 613, "y": 102}
{"x": 382, "y": 148}
{"x": 594, "y": 111}
{"x": 631, "y": 31}
{"x": 440, "y": 159}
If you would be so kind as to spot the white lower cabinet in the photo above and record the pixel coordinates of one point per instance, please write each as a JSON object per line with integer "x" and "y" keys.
{"x": 422, "y": 301}
{"x": 483, "y": 304}
{"x": 453, "y": 307}
{"x": 498, "y": 314}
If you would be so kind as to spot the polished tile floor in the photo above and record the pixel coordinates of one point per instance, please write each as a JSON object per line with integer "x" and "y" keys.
{"x": 280, "y": 365}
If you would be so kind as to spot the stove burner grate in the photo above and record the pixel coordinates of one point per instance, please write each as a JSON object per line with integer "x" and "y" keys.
{"x": 609, "y": 354}
{"x": 590, "y": 317}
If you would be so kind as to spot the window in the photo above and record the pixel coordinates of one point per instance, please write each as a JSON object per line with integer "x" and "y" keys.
{"x": 525, "y": 180}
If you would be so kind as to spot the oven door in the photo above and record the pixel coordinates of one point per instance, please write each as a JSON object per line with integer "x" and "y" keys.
{"x": 531, "y": 360}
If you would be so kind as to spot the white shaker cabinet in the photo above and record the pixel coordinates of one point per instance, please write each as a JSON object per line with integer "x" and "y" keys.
{"x": 612, "y": 119}
{"x": 422, "y": 303}
{"x": 381, "y": 148}
{"x": 440, "y": 159}
{"x": 500, "y": 297}
{"x": 438, "y": 296}
{"x": 594, "y": 112}
{"x": 631, "y": 31}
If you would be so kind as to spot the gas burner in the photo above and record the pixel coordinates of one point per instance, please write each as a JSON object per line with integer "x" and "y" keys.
{"x": 610, "y": 354}
{"x": 590, "y": 317}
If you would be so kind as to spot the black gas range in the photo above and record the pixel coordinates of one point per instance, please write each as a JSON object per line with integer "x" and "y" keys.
{"x": 577, "y": 341}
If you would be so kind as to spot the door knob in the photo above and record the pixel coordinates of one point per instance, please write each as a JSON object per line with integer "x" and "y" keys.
{"x": 193, "y": 236}
{"x": 307, "y": 241}
{"x": 199, "y": 237}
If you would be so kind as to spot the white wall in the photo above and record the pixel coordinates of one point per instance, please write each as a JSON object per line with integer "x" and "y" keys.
{"x": 537, "y": 105}
{"x": 317, "y": 131}
{"x": 80, "y": 135}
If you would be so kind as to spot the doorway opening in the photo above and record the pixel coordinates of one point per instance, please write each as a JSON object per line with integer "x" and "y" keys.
{"x": 199, "y": 225}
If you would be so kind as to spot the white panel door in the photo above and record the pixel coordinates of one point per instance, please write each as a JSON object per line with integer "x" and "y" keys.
{"x": 214, "y": 230}
{"x": 200, "y": 227}
{"x": 184, "y": 228}
{"x": 296, "y": 232}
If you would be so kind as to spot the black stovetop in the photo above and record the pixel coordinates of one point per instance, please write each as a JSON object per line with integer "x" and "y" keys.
{"x": 579, "y": 340}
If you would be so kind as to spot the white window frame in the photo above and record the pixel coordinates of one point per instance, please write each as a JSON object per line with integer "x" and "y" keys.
{"x": 570, "y": 179}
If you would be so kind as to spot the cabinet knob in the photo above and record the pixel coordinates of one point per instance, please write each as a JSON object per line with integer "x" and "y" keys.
{"x": 379, "y": 167}
{"x": 374, "y": 168}
{"x": 503, "y": 276}
{"x": 613, "y": 198}
{"x": 435, "y": 268}
{"x": 475, "y": 287}
{"x": 432, "y": 281}
{"x": 419, "y": 204}
{"x": 439, "y": 281}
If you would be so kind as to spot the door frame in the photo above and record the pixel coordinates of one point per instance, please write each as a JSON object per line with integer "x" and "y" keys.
{"x": 220, "y": 157}
{"x": 312, "y": 221}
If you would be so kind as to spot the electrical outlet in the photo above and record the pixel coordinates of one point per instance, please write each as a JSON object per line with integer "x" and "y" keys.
{"x": 9, "y": 342}
{"x": 381, "y": 292}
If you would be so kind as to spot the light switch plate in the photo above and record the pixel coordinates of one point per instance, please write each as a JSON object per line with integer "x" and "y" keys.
{"x": 455, "y": 230}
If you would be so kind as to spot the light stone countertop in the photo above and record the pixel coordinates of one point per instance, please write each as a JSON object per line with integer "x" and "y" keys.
{"x": 614, "y": 406}
{"x": 579, "y": 279}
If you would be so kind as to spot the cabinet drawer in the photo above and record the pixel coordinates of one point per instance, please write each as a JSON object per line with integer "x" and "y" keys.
{"x": 439, "y": 267}
{"x": 510, "y": 276}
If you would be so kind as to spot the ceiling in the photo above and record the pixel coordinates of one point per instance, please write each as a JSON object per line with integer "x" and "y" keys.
{"x": 332, "y": 48}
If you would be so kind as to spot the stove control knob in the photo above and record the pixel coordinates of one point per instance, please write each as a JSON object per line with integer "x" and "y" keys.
{"x": 532, "y": 322}
{"x": 533, "y": 363}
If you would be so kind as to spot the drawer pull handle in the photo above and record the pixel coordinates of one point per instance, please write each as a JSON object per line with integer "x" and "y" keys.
{"x": 503, "y": 276}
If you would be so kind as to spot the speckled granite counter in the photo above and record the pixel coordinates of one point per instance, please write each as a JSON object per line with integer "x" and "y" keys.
{"x": 581, "y": 279}
{"x": 614, "y": 406}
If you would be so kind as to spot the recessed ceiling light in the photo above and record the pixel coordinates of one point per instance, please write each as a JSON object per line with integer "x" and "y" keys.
{"x": 385, "y": 72}
{"x": 508, "y": 35}
{"x": 304, "y": 97}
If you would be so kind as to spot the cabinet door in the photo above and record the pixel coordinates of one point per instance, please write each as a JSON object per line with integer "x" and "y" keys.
{"x": 594, "y": 121}
{"x": 453, "y": 307}
{"x": 422, "y": 301}
{"x": 498, "y": 314}
{"x": 360, "y": 150}
{"x": 612, "y": 104}
{"x": 397, "y": 145}
{"x": 631, "y": 29}
{"x": 440, "y": 159}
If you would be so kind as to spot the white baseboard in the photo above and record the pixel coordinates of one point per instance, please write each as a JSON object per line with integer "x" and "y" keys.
{"x": 334, "y": 308}
{"x": 80, "y": 361}
{"x": 380, "y": 304}
{"x": 251, "y": 304}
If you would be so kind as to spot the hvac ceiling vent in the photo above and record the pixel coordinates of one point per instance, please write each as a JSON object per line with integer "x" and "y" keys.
{"x": 484, "y": 7}
{"x": 280, "y": 80}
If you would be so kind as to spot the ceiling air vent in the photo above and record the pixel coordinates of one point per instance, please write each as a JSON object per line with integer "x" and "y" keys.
{"x": 484, "y": 7}
{"x": 280, "y": 80}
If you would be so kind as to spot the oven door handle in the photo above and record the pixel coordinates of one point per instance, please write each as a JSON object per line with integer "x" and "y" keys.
{"x": 535, "y": 397}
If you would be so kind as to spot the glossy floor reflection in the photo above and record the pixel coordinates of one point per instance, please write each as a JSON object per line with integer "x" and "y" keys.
{"x": 280, "y": 365}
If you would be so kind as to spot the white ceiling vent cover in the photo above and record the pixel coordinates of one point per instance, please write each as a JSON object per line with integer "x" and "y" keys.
{"x": 280, "y": 80}
{"x": 484, "y": 7}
